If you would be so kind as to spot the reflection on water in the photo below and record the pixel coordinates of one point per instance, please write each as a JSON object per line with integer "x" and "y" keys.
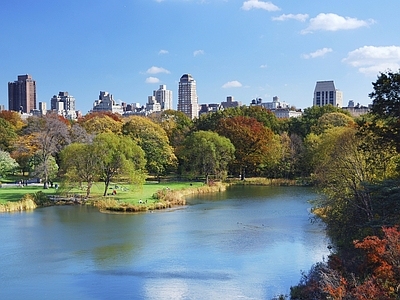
{"x": 246, "y": 243}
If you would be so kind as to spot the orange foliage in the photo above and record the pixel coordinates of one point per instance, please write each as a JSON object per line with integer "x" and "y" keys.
{"x": 383, "y": 259}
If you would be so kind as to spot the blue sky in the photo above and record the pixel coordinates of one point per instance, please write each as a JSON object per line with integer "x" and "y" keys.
{"x": 244, "y": 49}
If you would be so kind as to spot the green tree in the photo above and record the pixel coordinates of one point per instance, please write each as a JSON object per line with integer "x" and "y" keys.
{"x": 7, "y": 135}
{"x": 386, "y": 105}
{"x": 119, "y": 157}
{"x": 46, "y": 170}
{"x": 206, "y": 153}
{"x": 344, "y": 170}
{"x": 154, "y": 141}
{"x": 7, "y": 163}
{"x": 176, "y": 124}
{"x": 331, "y": 120}
{"x": 303, "y": 125}
{"x": 80, "y": 163}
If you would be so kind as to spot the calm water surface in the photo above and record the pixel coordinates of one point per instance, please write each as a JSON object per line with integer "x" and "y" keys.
{"x": 246, "y": 243}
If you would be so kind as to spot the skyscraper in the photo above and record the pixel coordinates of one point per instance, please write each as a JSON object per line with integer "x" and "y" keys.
{"x": 22, "y": 94}
{"x": 164, "y": 97}
{"x": 187, "y": 96}
{"x": 325, "y": 93}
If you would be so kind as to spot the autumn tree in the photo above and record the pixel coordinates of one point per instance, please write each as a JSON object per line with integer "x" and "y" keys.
{"x": 382, "y": 263}
{"x": 14, "y": 118}
{"x": 206, "y": 153}
{"x": 210, "y": 121}
{"x": 119, "y": 158}
{"x": 95, "y": 123}
{"x": 153, "y": 140}
{"x": 24, "y": 149}
{"x": 252, "y": 141}
{"x": 50, "y": 135}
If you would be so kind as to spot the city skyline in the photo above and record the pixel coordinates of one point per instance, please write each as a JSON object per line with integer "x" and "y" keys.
{"x": 245, "y": 49}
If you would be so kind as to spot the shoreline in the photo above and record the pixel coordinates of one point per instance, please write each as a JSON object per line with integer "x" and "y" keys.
{"x": 165, "y": 198}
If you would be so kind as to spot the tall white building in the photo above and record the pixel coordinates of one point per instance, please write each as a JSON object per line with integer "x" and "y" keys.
{"x": 164, "y": 97}
{"x": 187, "y": 96}
{"x": 325, "y": 93}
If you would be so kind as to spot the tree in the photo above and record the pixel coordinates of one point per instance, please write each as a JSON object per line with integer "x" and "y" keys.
{"x": 7, "y": 135}
{"x": 23, "y": 150}
{"x": 330, "y": 120}
{"x": 252, "y": 141}
{"x": 7, "y": 163}
{"x": 119, "y": 157}
{"x": 210, "y": 121}
{"x": 81, "y": 163}
{"x": 343, "y": 169}
{"x": 382, "y": 262}
{"x": 207, "y": 153}
{"x": 386, "y": 105}
{"x": 95, "y": 123}
{"x": 46, "y": 170}
{"x": 176, "y": 124}
{"x": 50, "y": 135}
{"x": 154, "y": 141}
{"x": 303, "y": 125}
{"x": 78, "y": 134}
{"x": 14, "y": 118}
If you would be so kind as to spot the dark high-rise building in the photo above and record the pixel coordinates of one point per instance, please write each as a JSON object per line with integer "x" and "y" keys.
{"x": 22, "y": 94}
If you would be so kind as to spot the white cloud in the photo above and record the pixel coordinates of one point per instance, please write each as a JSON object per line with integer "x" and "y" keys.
{"x": 163, "y": 52}
{"x": 318, "y": 53}
{"x": 372, "y": 59}
{"x": 232, "y": 84}
{"x": 264, "y": 66}
{"x": 297, "y": 17}
{"x": 256, "y": 4}
{"x": 156, "y": 70}
{"x": 334, "y": 22}
{"x": 198, "y": 52}
{"x": 152, "y": 80}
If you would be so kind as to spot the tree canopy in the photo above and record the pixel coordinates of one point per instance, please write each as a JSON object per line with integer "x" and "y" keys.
{"x": 207, "y": 153}
{"x": 152, "y": 138}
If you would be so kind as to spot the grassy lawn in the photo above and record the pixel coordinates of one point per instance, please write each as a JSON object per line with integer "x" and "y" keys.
{"x": 125, "y": 192}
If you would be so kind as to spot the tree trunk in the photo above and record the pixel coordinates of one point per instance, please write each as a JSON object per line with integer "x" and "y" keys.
{"x": 107, "y": 183}
{"x": 89, "y": 186}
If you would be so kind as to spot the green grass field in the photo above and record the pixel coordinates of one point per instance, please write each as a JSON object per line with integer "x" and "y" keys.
{"x": 125, "y": 192}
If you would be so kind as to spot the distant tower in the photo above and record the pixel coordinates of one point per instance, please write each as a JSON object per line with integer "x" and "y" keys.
{"x": 164, "y": 97}
{"x": 187, "y": 96}
{"x": 22, "y": 94}
{"x": 325, "y": 93}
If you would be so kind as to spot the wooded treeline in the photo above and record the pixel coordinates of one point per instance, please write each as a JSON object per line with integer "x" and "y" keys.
{"x": 354, "y": 161}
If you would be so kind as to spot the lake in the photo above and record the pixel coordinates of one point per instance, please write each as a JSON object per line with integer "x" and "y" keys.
{"x": 245, "y": 243}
